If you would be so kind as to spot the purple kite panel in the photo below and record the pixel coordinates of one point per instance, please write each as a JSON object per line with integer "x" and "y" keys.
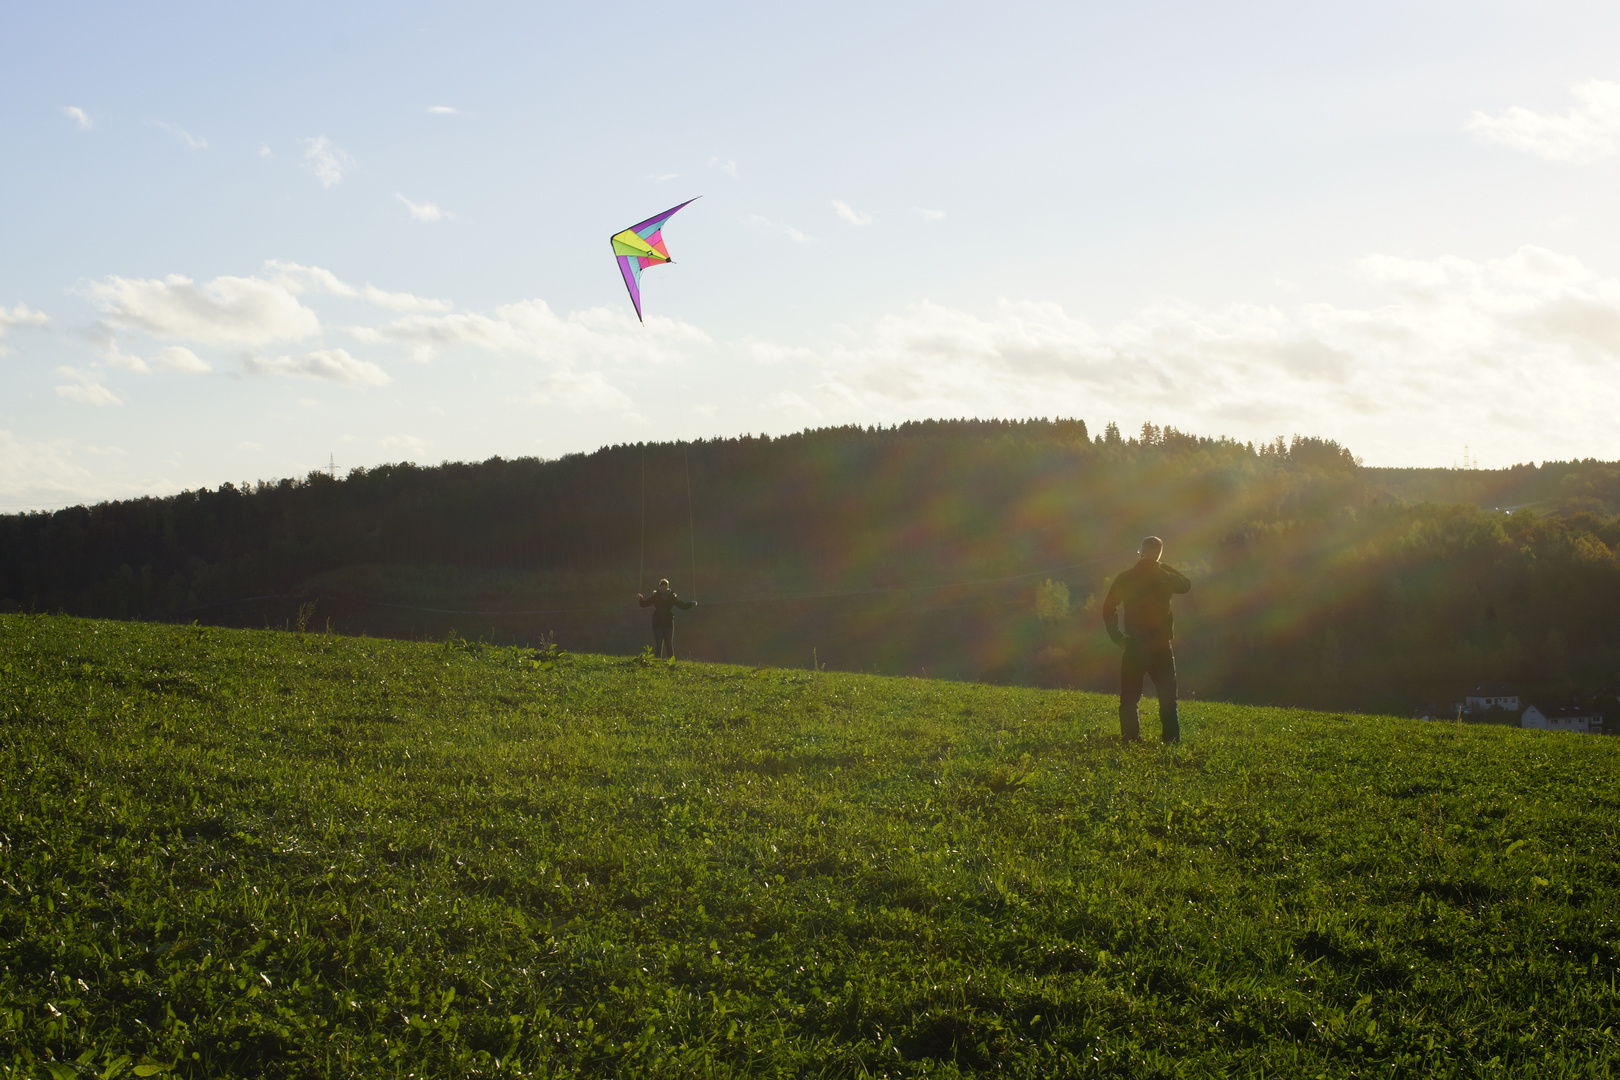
{"x": 657, "y": 220}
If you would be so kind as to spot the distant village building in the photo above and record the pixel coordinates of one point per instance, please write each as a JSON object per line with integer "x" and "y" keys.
{"x": 1568, "y": 719}
{"x": 1492, "y": 703}
{"x": 1490, "y": 695}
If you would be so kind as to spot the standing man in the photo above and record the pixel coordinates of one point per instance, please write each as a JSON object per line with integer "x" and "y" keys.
{"x": 1145, "y": 590}
{"x": 663, "y": 601}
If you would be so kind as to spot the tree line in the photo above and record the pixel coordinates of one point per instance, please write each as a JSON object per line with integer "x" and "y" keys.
{"x": 937, "y": 546}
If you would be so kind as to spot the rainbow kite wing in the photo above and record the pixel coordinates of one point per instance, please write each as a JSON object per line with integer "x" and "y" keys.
{"x": 641, "y": 246}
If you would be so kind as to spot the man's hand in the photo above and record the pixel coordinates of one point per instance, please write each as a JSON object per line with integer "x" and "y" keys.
{"x": 1122, "y": 640}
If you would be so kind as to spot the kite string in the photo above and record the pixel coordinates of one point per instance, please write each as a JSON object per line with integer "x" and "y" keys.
{"x": 691, "y": 528}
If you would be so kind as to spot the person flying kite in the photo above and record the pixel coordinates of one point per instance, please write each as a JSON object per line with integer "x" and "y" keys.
{"x": 641, "y": 246}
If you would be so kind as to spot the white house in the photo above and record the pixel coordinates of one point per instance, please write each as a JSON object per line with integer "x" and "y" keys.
{"x": 1488, "y": 695}
{"x": 1582, "y": 720}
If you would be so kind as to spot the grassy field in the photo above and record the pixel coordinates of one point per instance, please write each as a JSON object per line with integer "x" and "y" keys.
{"x": 255, "y": 853}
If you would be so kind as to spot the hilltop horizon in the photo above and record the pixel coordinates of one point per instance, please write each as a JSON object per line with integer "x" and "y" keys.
{"x": 1099, "y": 437}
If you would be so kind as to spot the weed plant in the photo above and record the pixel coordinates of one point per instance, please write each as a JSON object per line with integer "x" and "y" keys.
{"x": 260, "y": 854}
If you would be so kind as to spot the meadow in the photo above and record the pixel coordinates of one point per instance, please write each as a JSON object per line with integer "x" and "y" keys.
{"x": 278, "y": 854}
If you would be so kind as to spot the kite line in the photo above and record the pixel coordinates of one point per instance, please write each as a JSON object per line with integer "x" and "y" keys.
{"x": 691, "y": 528}
{"x": 641, "y": 570}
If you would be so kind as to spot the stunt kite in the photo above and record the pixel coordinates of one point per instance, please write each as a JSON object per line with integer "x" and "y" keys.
{"x": 641, "y": 246}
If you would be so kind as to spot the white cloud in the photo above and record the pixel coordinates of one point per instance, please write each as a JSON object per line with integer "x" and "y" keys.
{"x": 328, "y": 365}
{"x": 326, "y": 160}
{"x": 226, "y": 311}
{"x": 265, "y": 151}
{"x": 107, "y": 348}
{"x": 173, "y": 358}
{"x": 298, "y": 279}
{"x": 423, "y": 211}
{"x": 786, "y": 230}
{"x": 724, "y": 165}
{"x": 301, "y": 279}
{"x": 78, "y": 116}
{"x": 86, "y": 387}
{"x": 849, "y": 214}
{"x": 409, "y": 443}
{"x": 403, "y": 301}
{"x": 1588, "y": 132}
{"x": 41, "y": 475}
{"x": 18, "y": 316}
{"x": 180, "y": 358}
{"x": 582, "y": 391}
{"x": 794, "y": 408}
{"x": 196, "y": 142}
{"x": 930, "y": 215}
{"x": 443, "y": 110}
{"x": 532, "y": 329}
{"x": 659, "y": 178}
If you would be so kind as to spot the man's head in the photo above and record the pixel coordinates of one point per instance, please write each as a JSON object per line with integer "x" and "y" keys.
{"x": 1152, "y": 548}
{"x": 663, "y": 583}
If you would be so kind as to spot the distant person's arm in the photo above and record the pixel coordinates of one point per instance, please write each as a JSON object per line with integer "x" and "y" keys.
{"x": 1179, "y": 582}
{"x": 643, "y": 600}
{"x": 1110, "y": 613}
{"x": 686, "y": 605}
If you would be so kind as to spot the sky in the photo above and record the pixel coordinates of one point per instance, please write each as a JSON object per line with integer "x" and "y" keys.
{"x": 241, "y": 242}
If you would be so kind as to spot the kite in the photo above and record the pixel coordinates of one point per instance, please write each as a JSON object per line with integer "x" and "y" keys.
{"x": 641, "y": 246}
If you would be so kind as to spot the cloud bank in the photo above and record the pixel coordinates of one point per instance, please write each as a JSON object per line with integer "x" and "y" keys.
{"x": 226, "y": 311}
{"x": 1513, "y": 349}
{"x": 1513, "y": 353}
{"x": 1588, "y": 132}
{"x": 326, "y": 365}
{"x": 532, "y": 330}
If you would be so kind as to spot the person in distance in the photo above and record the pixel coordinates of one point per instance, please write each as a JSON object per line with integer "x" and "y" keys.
{"x": 1144, "y": 592}
{"x": 663, "y": 601}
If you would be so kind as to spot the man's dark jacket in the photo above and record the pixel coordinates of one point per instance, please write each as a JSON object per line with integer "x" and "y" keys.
{"x": 664, "y": 602}
{"x": 1144, "y": 591}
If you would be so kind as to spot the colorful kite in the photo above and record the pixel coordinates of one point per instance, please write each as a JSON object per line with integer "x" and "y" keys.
{"x": 641, "y": 246}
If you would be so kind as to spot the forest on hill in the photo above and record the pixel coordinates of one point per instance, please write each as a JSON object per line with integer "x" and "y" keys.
{"x": 962, "y": 549}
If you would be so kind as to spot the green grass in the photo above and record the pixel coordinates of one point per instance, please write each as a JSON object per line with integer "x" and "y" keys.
{"x": 240, "y": 853}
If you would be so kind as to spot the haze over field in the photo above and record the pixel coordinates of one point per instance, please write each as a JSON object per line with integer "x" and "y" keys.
{"x": 239, "y": 240}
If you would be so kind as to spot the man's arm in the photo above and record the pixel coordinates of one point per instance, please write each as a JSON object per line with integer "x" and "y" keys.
{"x": 1110, "y": 613}
{"x": 644, "y": 601}
{"x": 685, "y": 605}
{"x": 1179, "y": 582}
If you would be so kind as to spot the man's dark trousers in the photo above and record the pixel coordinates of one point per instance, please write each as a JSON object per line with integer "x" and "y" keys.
{"x": 664, "y": 643}
{"x": 1158, "y": 662}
